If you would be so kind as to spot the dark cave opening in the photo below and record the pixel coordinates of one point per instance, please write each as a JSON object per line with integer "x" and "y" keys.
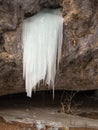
{"x": 20, "y": 111}
{"x": 83, "y": 103}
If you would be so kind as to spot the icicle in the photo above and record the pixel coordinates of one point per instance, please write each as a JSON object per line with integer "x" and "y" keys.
{"x": 42, "y": 43}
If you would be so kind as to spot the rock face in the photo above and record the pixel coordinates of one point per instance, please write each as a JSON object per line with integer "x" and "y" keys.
{"x": 79, "y": 63}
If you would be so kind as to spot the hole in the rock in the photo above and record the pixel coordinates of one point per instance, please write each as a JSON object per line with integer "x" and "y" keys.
{"x": 84, "y": 104}
{"x": 44, "y": 5}
{"x": 18, "y": 108}
{"x": 27, "y": 15}
{"x": 52, "y": 5}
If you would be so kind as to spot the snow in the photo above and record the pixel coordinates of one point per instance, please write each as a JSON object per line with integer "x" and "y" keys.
{"x": 42, "y": 43}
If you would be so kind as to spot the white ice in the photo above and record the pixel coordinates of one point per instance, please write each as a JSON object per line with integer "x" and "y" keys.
{"x": 42, "y": 43}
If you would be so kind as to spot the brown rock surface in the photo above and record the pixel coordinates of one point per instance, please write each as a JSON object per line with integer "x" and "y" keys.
{"x": 79, "y": 64}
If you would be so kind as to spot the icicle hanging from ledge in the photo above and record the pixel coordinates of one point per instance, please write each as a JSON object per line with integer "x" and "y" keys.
{"x": 42, "y": 43}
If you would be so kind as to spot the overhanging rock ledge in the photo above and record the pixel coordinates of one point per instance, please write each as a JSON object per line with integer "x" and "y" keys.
{"x": 79, "y": 63}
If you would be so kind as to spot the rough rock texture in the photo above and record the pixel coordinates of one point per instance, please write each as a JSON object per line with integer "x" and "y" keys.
{"x": 79, "y": 64}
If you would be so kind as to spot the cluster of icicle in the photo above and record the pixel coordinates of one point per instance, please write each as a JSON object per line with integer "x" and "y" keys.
{"x": 42, "y": 43}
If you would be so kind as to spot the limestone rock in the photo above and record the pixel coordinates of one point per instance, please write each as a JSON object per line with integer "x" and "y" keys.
{"x": 79, "y": 64}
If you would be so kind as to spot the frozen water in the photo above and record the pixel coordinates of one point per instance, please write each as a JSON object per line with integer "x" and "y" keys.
{"x": 42, "y": 44}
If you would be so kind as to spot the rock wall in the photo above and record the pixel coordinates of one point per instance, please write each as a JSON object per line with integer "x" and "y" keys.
{"x": 79, "y": 63}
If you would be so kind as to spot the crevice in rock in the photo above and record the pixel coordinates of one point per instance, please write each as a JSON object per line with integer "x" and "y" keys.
{"x": 1, "y": 43}
{"x": 1, "y": 2}
{"x": 1, "y": 40}
{"x": 46, "y": 4}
